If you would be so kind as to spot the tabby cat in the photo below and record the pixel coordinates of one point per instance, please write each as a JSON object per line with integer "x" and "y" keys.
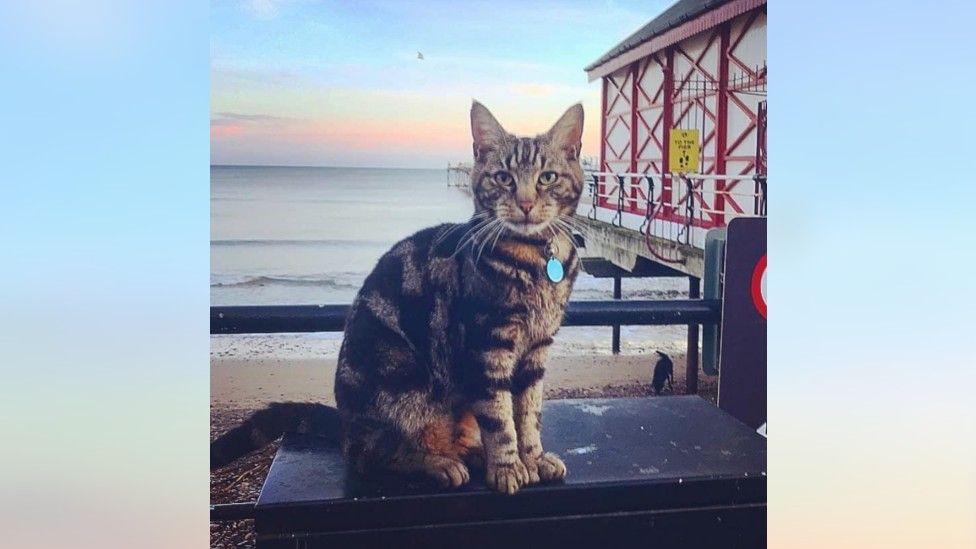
{"x": 441, "y": 365}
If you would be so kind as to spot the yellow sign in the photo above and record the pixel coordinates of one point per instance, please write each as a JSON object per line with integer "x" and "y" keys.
{"x": 683, "y": 151}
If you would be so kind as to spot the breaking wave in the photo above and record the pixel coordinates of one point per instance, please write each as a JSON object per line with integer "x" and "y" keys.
{"x": 339, "y": 281}
{"x": 336, "y": 242}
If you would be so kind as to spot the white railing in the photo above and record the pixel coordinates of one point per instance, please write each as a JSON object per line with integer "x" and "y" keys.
{"x": 674, "y": 207}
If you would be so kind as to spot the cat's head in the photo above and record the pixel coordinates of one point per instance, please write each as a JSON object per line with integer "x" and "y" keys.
{"x": 526, "y": 182}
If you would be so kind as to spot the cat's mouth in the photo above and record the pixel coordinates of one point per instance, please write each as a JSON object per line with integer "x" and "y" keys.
{"x": 526, "y": 227}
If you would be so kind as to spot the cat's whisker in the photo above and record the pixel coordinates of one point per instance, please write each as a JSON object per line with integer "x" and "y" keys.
{"x": 447, "y": 232}
{"x": 471, "y": 225}
{"x": 567, "y": 217}
{"x": 563, "y": 223}
{"x": 486, "y": 239}
{"x": 572, "y": 222}
{"x": 469, "y": 241}
{"x": 476, "y": 234}
{"x": 493, "y": 237}
{"x": 502, "y": 231}
{"x": 469, "y": 235}
{"x": 569, "y": 235}
{"x": 573, "y": 225}
{"x": 464, "y": 237}
{"x": 566, "y": 227}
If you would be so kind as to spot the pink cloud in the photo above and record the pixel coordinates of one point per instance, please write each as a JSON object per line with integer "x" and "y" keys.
{"x": 219, "y": 131}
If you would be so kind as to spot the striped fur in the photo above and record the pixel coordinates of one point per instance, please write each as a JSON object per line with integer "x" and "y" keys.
{"x": 443, "y": 357}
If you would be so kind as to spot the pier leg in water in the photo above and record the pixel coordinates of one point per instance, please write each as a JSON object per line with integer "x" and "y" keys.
{"x": 691, "y": 371}
{"x": 616, "y": 327}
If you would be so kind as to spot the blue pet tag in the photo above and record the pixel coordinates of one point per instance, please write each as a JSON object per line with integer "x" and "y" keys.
{"x": 554, "y": 269}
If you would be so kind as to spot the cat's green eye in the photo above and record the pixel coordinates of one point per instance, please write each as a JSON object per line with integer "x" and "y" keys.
{"x": 548, "y": 178}
{"x": 503, "y": 178}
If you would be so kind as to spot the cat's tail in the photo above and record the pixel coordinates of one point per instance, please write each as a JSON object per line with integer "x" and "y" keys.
{"x": 266, "y": 425}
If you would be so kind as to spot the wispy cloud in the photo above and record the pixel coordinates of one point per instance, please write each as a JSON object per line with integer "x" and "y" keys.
{"x": 263, "y": 9}
{"x": 238, "y": 117}
{"x": 232, "y": 124}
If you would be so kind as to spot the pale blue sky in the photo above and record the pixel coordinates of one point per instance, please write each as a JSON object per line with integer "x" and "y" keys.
{"x": 329, "y": 83}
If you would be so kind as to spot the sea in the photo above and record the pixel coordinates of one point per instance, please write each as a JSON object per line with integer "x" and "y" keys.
{"x": 310, "y": 235}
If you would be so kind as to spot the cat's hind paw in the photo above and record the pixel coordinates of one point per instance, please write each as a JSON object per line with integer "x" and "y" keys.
{"x": 448, "y": 472}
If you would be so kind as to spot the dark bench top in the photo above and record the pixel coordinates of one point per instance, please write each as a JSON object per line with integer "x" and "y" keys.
{"x": 622, "y": 454}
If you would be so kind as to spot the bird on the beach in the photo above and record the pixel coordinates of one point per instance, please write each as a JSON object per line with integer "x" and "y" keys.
{"x": 420, "y": 56}
{"x": 663, "y": 372}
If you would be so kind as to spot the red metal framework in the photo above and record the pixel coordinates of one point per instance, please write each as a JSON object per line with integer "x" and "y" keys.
{"x": 700, "y": 83}
{"x": 617, "y": 107}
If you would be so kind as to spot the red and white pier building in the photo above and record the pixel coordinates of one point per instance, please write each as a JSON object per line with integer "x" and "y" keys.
{"x": 699, "y": 65}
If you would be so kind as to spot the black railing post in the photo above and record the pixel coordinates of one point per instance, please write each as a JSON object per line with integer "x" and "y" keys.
{"x": 616, "y": 327}
{"x": 691, "y": 370}
{"x": 645, "y": 227}
{"x": 761, "y": 187}
{"x": 595, "y": 189}
{"x": 619, "y": 219}
{"x": 689, "y": 209}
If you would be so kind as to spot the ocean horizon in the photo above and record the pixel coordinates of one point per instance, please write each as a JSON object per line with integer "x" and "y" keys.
{"x": 302, "y": 166}
{"x": 298, "y": 235}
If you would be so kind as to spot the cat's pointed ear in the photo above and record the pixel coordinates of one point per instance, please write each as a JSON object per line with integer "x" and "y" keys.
{"x": 567, "y": 133}
{"x": 485, "y": 130}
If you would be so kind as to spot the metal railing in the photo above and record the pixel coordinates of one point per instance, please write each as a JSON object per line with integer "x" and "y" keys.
{"x": 267, "y": 319}
{"x": 672, "y": 205}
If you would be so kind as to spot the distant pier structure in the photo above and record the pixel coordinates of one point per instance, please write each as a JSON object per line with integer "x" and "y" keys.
{"x": 459, "y": 175}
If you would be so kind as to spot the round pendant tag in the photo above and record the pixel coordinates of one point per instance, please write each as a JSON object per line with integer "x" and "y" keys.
{"x": 554, "y": 269}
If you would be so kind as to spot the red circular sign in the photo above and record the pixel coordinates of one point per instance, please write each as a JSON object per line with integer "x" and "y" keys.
{"x": 759, "y": 286}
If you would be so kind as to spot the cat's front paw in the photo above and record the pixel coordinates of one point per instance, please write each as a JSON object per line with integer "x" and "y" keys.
{"x": 506, "y": 478}
{"x": 543, "y": 468}
{"x": 550, "y": 467}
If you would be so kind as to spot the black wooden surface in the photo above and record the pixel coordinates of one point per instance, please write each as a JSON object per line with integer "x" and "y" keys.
{"x": 675, "y": 467}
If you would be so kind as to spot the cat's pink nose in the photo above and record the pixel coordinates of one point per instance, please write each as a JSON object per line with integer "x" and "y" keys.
{"x": 526, "y": 205}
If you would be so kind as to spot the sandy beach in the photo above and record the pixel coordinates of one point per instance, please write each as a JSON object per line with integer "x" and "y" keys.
{"x": 249, "y": 372}
{"x": 242, "y": 383}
